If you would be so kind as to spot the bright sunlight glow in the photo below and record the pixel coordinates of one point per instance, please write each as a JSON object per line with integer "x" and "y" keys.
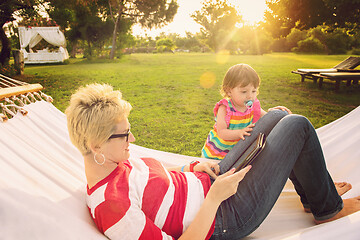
{"x": 252, "y": 12}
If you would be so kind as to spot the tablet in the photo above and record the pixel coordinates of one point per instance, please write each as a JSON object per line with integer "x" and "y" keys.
{"x": 251, "y": 152}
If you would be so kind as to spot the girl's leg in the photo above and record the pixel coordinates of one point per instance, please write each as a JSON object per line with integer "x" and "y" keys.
{"x": 292, "y": 145}
{"x": 264, "y": 125}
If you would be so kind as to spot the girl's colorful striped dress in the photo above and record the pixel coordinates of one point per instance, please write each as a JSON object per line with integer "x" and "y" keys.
{"x": 215, "y": 147}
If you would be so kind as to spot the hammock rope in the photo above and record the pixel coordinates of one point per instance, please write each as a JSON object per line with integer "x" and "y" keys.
{"x": 15, "y": 94}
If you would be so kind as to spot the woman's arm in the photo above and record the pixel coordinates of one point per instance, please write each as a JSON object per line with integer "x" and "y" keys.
{"x": 226, "y": 133}
{"x": 224, "y": 187}
{"x": 211, "y": 167}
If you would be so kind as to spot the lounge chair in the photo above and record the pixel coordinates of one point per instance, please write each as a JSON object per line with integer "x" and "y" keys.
{"x": 346, "y": 66}
{"x": 338, "y": 77}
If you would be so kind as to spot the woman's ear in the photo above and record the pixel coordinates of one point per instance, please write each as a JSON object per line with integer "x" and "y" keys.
{"x": 94, "y": 148}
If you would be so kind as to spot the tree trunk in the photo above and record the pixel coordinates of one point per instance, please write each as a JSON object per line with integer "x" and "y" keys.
{"x": 113, "y": 47}
{"x": 89, "y": 47}
{"x": 6, "y": 49}
{"x": 73, "y": 50}
{"x": 19, "y": 61}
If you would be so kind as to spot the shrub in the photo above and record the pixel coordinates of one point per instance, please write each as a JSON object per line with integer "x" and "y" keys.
{"x": 356, "y": 51}
{"x": 294, "y": 37}
{"x": 310, "y": 45}
{"x": 163, "y": 49}
{"x": 195, "y": 49}
{"x": 165, "y": 45}
{"x": 8, "y": 70}
{"x": 253, "y": 41}
{"x": 356, "y": 39}
{"x": 261, "y": 45}
{"x": 66, "y": 61}
{"x": 280, "y": 45}
{"x": 319, "y": 32}
{"x": 338, "y": 41}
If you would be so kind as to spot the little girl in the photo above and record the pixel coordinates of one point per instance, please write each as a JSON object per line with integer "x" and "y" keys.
{"x": 236, "y": 114}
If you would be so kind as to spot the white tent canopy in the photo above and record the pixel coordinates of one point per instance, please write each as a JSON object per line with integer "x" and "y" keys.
{"x": 31, "y": 36}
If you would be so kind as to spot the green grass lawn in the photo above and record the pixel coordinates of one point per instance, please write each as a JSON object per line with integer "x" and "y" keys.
{"x": 172, "y": 111}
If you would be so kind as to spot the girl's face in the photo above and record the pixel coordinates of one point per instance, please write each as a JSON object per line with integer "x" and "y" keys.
{"x": 239, "y": 95}
{"x": 116, "y": 149}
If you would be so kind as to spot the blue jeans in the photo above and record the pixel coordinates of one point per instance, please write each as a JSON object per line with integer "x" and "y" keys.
{"x": 292, "y": 151}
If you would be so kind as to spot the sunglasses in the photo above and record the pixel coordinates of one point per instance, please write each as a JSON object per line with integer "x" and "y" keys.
{"x": 121, "y": 135}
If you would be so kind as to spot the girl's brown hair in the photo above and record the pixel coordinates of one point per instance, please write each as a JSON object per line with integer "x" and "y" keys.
{"x": 239, "y": 74}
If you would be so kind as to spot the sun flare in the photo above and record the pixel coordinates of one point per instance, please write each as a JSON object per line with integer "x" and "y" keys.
{"x": 207, "y": 79}
{"x": 252, "y": 11}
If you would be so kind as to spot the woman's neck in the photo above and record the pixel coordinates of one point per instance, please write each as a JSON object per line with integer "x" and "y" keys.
{"x": 95, "y": 172}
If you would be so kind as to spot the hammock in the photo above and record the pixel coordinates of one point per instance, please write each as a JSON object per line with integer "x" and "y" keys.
{"x": 42, "y": 184}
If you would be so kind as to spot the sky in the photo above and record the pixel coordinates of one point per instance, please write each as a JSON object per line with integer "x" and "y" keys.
{"x": 252, "y": 11}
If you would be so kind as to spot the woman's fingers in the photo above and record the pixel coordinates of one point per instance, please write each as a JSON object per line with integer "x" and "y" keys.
{"x": 210, "y": 167}
{"x": 211, "y": 173}
{"x": 228, "y": 173}
{"x": 238, "y": 176}
{"x": 226, "y": 184}
{"x": 215, "y": 168}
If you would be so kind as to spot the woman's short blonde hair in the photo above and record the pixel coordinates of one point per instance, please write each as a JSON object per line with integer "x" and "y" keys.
{"x": 92, "y": 115}
{"x": 239, "y": 75}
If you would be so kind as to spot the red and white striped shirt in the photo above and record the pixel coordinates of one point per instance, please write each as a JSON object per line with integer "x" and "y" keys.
{"x": 140, "y": 199}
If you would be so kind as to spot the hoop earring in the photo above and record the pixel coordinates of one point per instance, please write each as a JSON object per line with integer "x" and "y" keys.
{"x": 102, "y": 157}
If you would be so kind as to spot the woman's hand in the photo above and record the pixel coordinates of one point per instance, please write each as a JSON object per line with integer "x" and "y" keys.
{"x": 226, "y": 184}
{"x": 210, "y": 167}
{"x": 281, "y": 108}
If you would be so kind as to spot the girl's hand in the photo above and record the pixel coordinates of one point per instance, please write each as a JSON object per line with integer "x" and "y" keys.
{"x": 246, "y": 131}
{"x": 281, "y": 108}
{"x": 226, "y": 184}
{"x": 210, "y": 167}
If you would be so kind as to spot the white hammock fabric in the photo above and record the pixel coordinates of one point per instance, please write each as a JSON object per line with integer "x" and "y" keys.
{"x": 42, "y": 183}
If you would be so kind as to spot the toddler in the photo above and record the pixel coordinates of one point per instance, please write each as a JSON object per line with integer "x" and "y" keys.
{"x": 236, "y": 114}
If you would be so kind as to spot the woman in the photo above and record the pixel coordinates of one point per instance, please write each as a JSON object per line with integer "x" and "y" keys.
{"x": 140, "y": 199}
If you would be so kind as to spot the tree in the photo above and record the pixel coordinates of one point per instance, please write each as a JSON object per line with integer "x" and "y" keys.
{"x": 190, "y": 42}
{"x": 64, "y": 12}
{"x": 7, "y": 9}
{"x": 165, "y": 45}
{"x": 283, "y": 15}
{"x": 88, "y": 21}
{"x": 122, "y": 13}
{"x": 345, "y": 13}
{"x": 253, "y": 40}
{"x": 218, "y": 20}
{"x": 294, "y": 37}
{"x": 149, "y": 13}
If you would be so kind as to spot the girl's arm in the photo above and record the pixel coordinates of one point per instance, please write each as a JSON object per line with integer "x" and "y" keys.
{"x": 263, "y": 112}
{"x": 226, "y": 133}
{"x": 281, "y": 108}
